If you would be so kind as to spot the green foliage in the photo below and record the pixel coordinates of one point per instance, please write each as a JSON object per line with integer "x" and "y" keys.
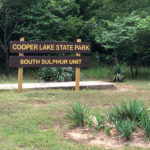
{"x": 125, "y": 127}
{"x": 88, "y": 120}
{"x": 118, "y": 78}
{"x": 99, "y": 119}
{"x": 97, "y": 72}
{"x": 132, "y": 110}
{"x": 129, "y": 38}
{"x": 76, "y": 114}
{"x": 107, "y": 130}
{"x": 56, "y": 74}
{"x": 118, "y": 69}
{"x": 145, "y": 124}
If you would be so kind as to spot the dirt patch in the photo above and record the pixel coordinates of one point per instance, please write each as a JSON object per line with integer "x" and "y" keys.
{"x": 36, "y": 102}
{"x": 124, "y": 88}
{"x": 43, "y": 127}
{"x": 88, "y": 137}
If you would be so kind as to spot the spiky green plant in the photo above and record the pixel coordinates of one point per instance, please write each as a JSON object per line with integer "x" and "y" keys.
{"x": 117, "y": 113}
{"x": 88, "y": 120}
{"x": 56, "y": 74}
{"x": 99, "y": 119}
{"x": 125, "y": 128}
{"x": 132, "y": 110}
{"x": 145, "y": 124}
{"x": 76, "y": 114}
{"x": 118, "y": 74}
{"x": 107, "y": 130}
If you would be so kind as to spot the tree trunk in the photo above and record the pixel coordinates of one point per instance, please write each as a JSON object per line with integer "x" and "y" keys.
{"x": 136, "y": 71}
{"x": 132, "y": 71}
{"x": 116, "y": 60}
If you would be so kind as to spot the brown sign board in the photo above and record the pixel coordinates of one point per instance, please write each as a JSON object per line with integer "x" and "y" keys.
{"x": 49, "y": 47}
{"x": 49, "y": 61}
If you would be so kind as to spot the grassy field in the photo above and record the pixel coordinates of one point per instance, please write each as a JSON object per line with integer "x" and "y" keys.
{"x": 96, "y": 72}
{"x": 28, "y": 121}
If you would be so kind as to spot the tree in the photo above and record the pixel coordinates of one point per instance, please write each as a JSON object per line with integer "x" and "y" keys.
{"x": 129, "y": 37}
{"x": 8, "y": 24}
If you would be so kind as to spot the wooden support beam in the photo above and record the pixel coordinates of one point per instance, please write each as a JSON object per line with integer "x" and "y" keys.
{"x": 77, "y": 88}
{"x": 20, "y": 73}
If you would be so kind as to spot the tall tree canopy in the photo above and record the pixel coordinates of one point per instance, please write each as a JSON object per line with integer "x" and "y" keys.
{"x": 120, "y": 26}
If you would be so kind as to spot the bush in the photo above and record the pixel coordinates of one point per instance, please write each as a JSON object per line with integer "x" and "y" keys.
{"x": 56, "y": 74}
{"x": 76, "y": 115}
{"x": 118, "y": 74}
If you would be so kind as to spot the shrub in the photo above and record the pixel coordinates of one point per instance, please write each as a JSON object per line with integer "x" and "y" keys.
{"x": 133, "y": 111}
{"x": 118, "y": 74}
{"x": 76, "y": 114}
{"x": 56, "y": 74}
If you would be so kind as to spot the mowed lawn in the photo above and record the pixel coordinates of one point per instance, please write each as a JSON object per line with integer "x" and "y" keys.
{"x": 35, "y": 119}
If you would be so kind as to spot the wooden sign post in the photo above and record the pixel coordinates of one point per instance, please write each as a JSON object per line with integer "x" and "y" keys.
{"x": 78, "y": 71}
{"x": 20, "y": 73}
{"x": 21, "y": 47}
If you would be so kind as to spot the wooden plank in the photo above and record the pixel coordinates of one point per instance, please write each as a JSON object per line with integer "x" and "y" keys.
{"x": 49, "y": 47}
{"x": 77, "y": 88}
{"x": 20, "y": 73}
{"x": 49, "y": 61}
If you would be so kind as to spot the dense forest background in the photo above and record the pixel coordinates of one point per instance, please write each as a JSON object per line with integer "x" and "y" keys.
{"x": 119, "y": 30}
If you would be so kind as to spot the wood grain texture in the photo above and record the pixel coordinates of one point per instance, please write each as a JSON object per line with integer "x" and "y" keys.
{"x": 49, "y": 61}
{"x": 20, "y": 73}
{"x": 77, "y": 88}
{"x": 49, "y": 47}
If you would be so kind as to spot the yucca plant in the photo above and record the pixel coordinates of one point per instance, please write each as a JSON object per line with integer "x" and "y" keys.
{"x": 88, "y": 120}
{"x": 118, "y": 74}
{"x": 125, "y": 128}
{"x": 99, "y": 119}
{"x": 145, "y": 124}
{"x": 132, "y": 110}
{"x": 117, "y": 113}
{"x": 56, "y": 74}
{"x": 76, "y": 115}
{"x": 107, "y": 130}
{"x": 117, "y": 78}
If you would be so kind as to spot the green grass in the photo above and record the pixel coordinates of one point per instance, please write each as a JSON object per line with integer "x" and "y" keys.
{"x": 105, "y": 72}
{"x": 98, "y": 72}
{"x": 28, "y": 120}
{"x": 29, "y": 76}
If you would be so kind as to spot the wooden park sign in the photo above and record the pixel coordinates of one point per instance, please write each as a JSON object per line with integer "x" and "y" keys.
{"x": 22, "y": 61}
{"x": 49, "y": 47}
